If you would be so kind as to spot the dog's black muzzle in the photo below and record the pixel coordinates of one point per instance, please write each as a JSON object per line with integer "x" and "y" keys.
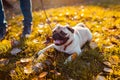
{"x": 59, "y": 37}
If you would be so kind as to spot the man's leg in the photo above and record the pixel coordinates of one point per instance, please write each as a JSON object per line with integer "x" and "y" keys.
{"x": 2, "y": 21}
{"x": 26, "y": 9}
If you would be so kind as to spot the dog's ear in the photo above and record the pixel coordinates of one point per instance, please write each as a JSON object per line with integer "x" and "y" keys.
{"x": 70, "y": 29}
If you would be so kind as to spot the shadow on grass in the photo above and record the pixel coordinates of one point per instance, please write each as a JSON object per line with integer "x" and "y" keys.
{"x": 12, "y": 60}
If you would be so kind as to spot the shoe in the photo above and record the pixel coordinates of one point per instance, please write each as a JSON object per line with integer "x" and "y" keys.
{"x": 2, "y": 32}
{"x": 26, "y": 32}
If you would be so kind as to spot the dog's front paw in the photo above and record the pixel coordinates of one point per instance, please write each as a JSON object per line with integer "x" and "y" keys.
{"x": 40, "y": 52}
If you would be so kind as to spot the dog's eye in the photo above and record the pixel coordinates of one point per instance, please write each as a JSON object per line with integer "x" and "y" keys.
{"x": 54, "y": 32}
{"x": 63, "y": 33}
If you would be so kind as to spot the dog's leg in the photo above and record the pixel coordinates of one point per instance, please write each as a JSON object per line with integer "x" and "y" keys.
{"x": 43, "y": 50}
{"x": 73, "y": 56}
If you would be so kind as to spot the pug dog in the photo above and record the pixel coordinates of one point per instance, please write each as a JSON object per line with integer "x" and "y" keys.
{"x": 69, "y": 39}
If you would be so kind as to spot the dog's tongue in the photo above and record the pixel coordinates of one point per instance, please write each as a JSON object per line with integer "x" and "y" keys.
{"x": 57, "y": 41}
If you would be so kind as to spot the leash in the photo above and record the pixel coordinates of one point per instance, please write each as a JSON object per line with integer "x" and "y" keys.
{"x": 35, "y": 56}
{"x": 43, "y": 8}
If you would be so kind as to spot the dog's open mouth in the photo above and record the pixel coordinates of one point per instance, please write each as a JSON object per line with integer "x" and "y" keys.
{"x": 60, "y": 42}
{"x": 60, "y": 38}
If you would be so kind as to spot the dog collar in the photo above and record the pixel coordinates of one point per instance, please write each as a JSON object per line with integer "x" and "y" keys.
{"x": 68, "y": 44}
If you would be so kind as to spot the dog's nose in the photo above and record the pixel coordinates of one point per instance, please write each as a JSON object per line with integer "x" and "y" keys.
{"x": 56, "y": 36}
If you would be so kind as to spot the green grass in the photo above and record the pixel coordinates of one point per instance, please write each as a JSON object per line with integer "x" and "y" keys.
{"x": 104, "y": 22}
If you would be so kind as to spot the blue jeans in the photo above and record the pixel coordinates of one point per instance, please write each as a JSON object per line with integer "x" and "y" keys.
{"x": 26, "y": 9}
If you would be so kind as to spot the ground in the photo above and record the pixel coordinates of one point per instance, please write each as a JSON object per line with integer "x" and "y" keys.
{"x": 103, "y": 19}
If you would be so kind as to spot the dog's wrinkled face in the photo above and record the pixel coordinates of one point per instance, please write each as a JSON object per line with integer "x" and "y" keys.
{"x": 61, "y": 34}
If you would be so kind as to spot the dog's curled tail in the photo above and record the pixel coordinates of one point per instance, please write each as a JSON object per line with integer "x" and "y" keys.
{"x": 81, "y": 25}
